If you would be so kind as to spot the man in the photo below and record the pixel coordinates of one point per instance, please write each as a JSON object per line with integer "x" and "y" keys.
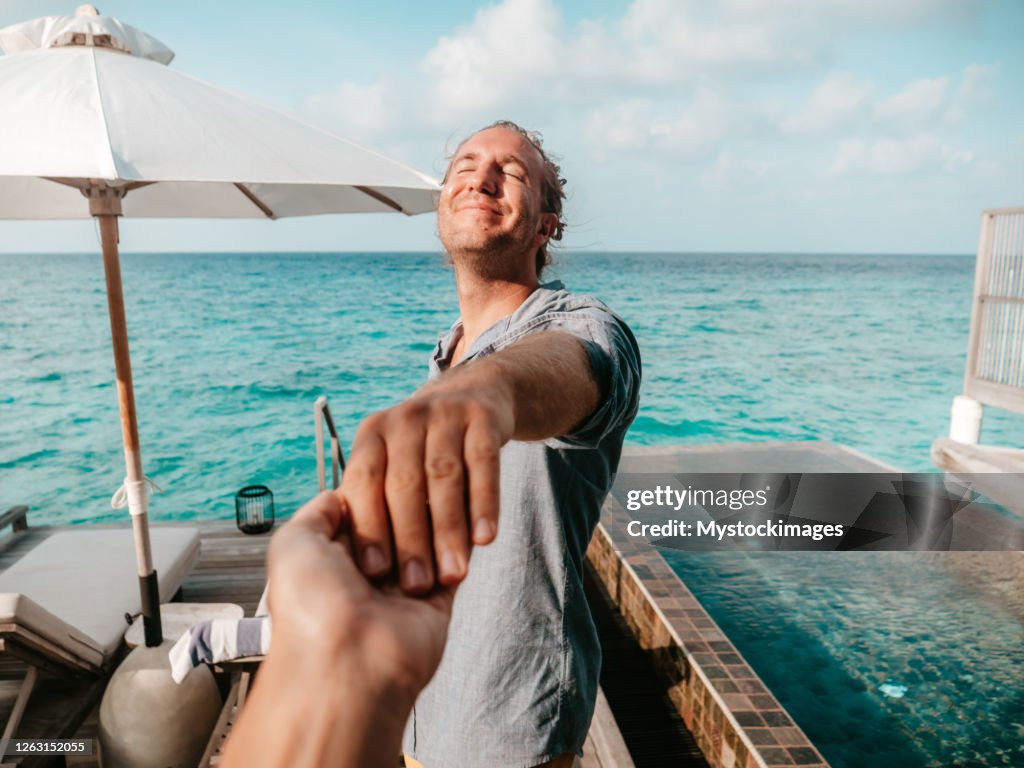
{"x": 519, "y": 429}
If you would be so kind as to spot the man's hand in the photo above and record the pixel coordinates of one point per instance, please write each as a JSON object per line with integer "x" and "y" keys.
{"x": 425, "y": 473}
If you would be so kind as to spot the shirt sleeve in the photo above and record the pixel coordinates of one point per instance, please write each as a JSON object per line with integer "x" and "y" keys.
{"x": 614, "y": 362}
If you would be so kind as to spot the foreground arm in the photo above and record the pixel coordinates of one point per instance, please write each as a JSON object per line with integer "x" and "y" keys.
{"x": 442, "y": 446}
{"x": 347, "y": 659}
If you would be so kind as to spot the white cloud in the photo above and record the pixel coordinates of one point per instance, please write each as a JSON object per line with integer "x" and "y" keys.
{"x": 975, "y": 90}
{"x": 731, "y": 173}
{"x": 640, "y": 125}
{"x": 837, "y": 99}
{"x": 895, "y": 157}
{"x": 861, "y": 12}
{"x": 918, "y": 103}
{"x": 519, "y": 58}
{"x": 506, "y": 54}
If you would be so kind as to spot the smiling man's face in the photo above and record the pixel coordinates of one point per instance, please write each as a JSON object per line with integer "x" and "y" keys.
{"x": 489, "y": 216}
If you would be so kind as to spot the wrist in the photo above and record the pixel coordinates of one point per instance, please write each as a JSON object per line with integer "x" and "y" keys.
{"x": 349, "y": 664}
{"x": 307, "y": 710}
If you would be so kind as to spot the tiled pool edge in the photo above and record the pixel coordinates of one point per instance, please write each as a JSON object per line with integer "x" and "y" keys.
{"x": 734, "y": 718}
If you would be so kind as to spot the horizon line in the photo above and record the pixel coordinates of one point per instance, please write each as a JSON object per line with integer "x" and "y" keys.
{"x": 564, "y": 251}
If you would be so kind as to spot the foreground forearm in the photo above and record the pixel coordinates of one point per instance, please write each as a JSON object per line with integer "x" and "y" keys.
{"x": 316, "y": 717}
{"x": 545, "y": 379}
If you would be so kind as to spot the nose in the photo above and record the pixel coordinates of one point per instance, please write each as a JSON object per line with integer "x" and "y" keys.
{"x": 484, "y": 179}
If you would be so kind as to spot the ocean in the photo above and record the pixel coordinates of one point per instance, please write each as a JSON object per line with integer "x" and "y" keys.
{"x": 229, "y": 352}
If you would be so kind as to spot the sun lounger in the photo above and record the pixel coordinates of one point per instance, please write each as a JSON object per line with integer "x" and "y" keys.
{"x": 995, "y": 363}
{"x": 63, "y": 605}
{"x": 241, "y": 668}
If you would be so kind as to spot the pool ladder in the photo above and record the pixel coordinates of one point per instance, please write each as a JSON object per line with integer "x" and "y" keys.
{"x": 322, "y": 415}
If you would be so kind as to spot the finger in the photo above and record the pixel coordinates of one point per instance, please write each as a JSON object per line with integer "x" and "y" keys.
{"x": 446, "y": 490}
{"x": 307, "y": 542}
{"x": 363, "y": 488}
{"x": 405, "y": 492}
{"x": 326, "y": 513}
{"x": 481, "y": 450}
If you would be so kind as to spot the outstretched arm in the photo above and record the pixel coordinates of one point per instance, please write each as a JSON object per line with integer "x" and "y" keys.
{"x": 441, "y": 446}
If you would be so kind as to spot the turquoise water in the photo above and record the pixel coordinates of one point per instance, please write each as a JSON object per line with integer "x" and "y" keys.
{"x": 230, "y": 351}
{"x": 885, "y": 659}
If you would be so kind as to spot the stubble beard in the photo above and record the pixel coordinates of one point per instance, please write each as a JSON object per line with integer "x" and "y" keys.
{"x": 494, "y": 257}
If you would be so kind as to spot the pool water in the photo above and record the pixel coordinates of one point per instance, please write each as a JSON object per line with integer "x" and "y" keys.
{"x": 885, "y": 659}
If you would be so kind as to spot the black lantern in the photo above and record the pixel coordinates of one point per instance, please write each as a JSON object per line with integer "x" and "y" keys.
{"x": 254, "y": 509}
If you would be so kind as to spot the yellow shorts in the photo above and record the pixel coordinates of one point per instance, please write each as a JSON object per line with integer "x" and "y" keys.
{"x": 563, "y": 761}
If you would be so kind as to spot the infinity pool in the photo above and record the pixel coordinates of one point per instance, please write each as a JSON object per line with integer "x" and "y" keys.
{"x": 884, "y": 659}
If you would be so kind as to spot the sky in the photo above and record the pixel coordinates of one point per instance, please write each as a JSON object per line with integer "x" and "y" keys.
{"x": 881, "y": 126}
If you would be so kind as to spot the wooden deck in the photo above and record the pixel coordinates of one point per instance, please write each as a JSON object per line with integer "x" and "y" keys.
{"x": 231, "y": 569}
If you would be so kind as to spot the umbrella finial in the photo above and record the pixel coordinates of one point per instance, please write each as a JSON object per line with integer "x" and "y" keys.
{"x": 86, "y": 10}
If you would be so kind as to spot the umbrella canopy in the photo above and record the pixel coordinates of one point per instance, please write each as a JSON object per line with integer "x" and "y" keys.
{"x": 97, "y": 125}
{"x": 77, "y": 112}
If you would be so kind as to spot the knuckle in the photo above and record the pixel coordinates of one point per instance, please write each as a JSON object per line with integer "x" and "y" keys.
{"x": 362, "y": 473}
{"x": 370, "y": 425}
{"x": 404, "y": 479}
{"x": 443, "y": 468}
{"x": 482, "y": 451}
{"x": 477, "y": 409}
{"x": 408, "y": 410}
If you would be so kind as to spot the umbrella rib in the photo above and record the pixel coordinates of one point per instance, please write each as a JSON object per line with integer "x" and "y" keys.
{"x": 255, "y": 200}
{"x": 380, "y": 198}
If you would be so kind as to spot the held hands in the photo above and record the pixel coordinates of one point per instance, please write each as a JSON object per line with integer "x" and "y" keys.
{"x": 348, "y": 657}
{"x": 325, "y": 610}
{"x": 426, "y": 473}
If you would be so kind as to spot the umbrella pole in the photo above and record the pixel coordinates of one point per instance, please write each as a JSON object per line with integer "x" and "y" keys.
{"x": 105, "y": 205}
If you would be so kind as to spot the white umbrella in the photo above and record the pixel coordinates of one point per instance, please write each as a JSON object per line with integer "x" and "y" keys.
{"x": 95, "y": 124}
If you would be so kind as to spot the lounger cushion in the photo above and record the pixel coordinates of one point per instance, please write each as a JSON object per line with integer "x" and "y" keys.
{"x": 87, "y": 580}
{"x": 18, "y": 611}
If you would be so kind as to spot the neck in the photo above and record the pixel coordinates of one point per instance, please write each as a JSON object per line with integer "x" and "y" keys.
{"x": 484, "y": 301}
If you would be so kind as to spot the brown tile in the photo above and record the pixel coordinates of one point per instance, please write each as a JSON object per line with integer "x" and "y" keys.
{"x": 737, "y": 671}
{"x": 748, "y": 719}
{"x": 737, "y": 701}
{"x": 713, "y": 672}
{"x": 804, "y": 755}
{"x": 751, "y": 685}
{"x": 775, "y": 756}
{"x": 777, "y": 719}
{"x": 790, "y": 736}
{"x": 760, "y": 736}
{"x": 764, "y": 701}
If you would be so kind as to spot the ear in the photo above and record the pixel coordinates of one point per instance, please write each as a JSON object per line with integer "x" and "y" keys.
{"x": 548, "y": 226}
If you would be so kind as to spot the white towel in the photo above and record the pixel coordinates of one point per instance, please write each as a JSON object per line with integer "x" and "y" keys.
{"x": 216, "y": 640}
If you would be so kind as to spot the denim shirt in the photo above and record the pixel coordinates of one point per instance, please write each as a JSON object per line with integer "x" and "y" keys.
{"x": 519, "y": 676}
